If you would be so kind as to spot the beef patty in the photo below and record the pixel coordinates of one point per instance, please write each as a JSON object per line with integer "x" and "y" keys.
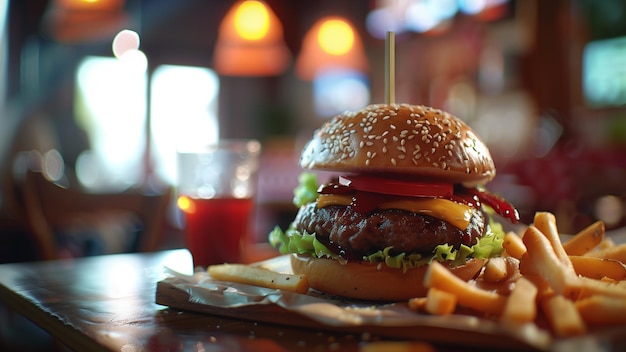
{"x": 353, "y": 235}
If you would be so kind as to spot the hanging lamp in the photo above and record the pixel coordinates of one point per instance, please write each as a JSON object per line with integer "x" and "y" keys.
{"x": 75, "y": 21}
{"x": 331, "y": 43}
{"x": 250, "y": 42}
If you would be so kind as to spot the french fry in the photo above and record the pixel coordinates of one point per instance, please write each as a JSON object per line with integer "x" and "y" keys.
{"x": 616, "y": 252}
{"x": 602, "y": 310}
{"x": 503, "y": 287}
{"x": 527, "y": 265}
{"x": 250, "y": 275}
{"x": 467, "y": 294}
{"x": 498, "y": 269}
{"x": 440, "y": 302}
{"x": 495, "y": 270}
{"x": 590, "y": 287}
{"x": 545, "y": 262}
{"x": 599, "y": 268}
{"x": 563, "y": 316}
{"x": 546, "y": 223}
{"x": 586, "y": 240}
{"x": 513, "y": 245}
{"x": 521, "y": 305}
{"x": 418, "y": 303}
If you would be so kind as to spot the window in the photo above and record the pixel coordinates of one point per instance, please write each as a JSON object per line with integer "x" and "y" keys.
{"x": 183, "y": 110}
{"x": 111, "y": 106}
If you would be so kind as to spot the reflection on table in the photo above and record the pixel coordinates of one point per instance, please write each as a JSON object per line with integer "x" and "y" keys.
{"x": 108, "y": 303}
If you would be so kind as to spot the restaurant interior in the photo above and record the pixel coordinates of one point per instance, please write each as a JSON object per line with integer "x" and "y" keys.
{"x": 96, "y": 97}
{"x": 541, "y": 83}
{"x": 102, "y": 113}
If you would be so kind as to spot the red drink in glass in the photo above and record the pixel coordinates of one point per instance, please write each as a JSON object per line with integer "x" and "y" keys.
{"x": 216, "y": 229}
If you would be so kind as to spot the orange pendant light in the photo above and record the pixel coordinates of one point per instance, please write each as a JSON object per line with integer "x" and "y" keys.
{"x": 103, "y": 5}
{"x": 332, "y": 43}
{"x": 74, "y": 21}
{"x": 250, "y": 42}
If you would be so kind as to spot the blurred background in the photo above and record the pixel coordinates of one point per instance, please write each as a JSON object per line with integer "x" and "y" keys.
{"x": 542, "y": 82}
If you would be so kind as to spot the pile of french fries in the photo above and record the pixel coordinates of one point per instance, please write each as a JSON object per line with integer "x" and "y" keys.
{"x": 569, "y": 287}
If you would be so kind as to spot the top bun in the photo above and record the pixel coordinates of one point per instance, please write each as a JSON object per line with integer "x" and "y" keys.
{"x": 401, "y": 139}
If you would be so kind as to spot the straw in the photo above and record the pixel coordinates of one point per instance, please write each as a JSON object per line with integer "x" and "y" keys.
{"x": 390, "y": 68}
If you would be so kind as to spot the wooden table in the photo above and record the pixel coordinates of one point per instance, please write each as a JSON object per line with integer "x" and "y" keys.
{"x": 107, "y": 303}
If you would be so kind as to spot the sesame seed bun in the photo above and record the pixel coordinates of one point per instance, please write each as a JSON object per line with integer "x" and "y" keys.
{"x": 372, "y": 282}
{"x": 401, "y": 139}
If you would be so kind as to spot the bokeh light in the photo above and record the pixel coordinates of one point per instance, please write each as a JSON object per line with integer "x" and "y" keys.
{"x": 336, "y": 37}
{"x": 252, "y": 20}
{"x": 186, "y": 205}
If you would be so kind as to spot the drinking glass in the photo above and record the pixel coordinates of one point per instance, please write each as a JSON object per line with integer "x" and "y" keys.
{"x": 216, "y": 193}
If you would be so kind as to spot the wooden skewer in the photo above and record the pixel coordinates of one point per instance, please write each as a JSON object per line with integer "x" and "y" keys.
{"x": 390, "y": 68}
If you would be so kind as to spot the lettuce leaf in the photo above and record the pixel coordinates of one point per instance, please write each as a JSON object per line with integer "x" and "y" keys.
{"x": 293, "y": 241}
{"x": 306, "y": 191}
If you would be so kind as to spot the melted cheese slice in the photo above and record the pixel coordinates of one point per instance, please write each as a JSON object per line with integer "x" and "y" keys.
{"x": 451, "y": 212}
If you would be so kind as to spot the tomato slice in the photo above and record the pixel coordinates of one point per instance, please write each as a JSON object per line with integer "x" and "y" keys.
{"x": 397, "y": 187}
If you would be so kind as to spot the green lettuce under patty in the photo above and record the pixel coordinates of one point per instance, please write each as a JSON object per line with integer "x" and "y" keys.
{"x": 293, "y": 241}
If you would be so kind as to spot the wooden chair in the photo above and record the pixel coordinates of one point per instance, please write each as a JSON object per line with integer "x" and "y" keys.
{"x": 48, "y": 207}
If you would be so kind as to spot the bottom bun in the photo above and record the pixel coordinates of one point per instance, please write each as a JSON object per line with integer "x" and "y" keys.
{"x": 373, "y": 282}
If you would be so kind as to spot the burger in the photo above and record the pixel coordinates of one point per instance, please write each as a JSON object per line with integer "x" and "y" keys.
{"x": 406, "y": 188}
